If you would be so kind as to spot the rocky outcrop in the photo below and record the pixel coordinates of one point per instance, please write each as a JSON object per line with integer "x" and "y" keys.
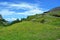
{"x": 3, "y": 22}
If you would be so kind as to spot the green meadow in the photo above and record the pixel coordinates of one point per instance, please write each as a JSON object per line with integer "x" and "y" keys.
{"x": 28, "y": 30}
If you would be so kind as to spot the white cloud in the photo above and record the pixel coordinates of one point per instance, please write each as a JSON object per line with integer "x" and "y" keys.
{"x": 6, "y": 12}
{"x": 31, "y": 9}
{"x": 19, "y": 6}
{"x": 31, "y": 12}
{"x": 10, "y": 19}
{"x": 22, "y": 5}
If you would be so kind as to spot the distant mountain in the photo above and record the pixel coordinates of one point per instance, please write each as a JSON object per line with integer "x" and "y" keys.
{"x": 55, "y": 9}
{"x": 3, "y": 22}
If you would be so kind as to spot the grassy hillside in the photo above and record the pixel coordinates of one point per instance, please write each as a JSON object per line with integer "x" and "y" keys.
{"x": 46, "y": 19}
{"x": 44, "y": 26}
{"x": 51, "y": 17}
{"x": 28, "y": 30}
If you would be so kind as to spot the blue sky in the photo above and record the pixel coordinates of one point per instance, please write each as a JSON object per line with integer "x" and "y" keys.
{"x": 13, "y": 9}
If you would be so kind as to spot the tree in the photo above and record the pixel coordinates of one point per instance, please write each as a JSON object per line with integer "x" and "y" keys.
{"x": 15, "y": 21}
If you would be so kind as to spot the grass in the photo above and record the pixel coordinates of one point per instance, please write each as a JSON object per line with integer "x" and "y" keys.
{"x": 28, "y": 30}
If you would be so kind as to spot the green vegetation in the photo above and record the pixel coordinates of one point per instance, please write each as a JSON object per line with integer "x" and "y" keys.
{"x": 44, "y": 26}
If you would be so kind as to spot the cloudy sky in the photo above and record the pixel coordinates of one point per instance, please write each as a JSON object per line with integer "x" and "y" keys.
{"x": 13, "y": 9}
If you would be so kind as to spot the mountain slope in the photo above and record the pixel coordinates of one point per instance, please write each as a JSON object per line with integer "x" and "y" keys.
{"x": 3, "y": 22}
{"x": 28, "y": 30}
{"x": 51, "y": 17}
{"x": 44, "y": 26}
{"x": 55, "y": 11}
